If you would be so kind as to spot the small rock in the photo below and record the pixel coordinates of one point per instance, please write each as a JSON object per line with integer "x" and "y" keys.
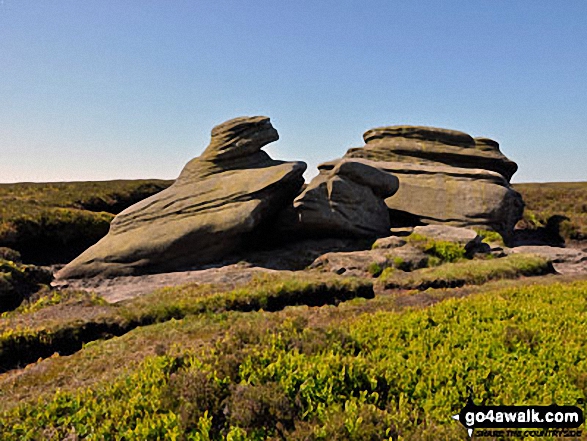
{"x": 463, "y": 236}
{"x": 389, "y": 242}
{"x": 371, "y": 262}
{"x": 564, "y": 260}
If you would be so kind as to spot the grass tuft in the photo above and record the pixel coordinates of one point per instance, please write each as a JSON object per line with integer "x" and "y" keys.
{"x": 443, "y": 250}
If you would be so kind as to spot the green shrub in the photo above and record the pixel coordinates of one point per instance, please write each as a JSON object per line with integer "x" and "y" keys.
{"x": 443, "y": 250}
{"x": 446, "y": 251}
{"x": 374, "y": 269}
{"x": 260, "y": 409}
{"x": 354, "y": 421}
{"x": 195, "y": 395}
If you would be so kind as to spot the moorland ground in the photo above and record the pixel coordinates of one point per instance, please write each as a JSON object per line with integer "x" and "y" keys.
{"x": 548, "y": 199}
{"x": 289, "y": 356}
{"x": 54, "y": 222}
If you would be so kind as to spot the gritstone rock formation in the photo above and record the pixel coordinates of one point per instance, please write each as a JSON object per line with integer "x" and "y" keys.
{"x": 346, "y": 199}
{"x": 445, "y": 177}
{"x": 219, "y": 198}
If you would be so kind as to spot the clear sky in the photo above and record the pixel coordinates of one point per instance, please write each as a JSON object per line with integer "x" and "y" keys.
{"x": 93, "y": 90}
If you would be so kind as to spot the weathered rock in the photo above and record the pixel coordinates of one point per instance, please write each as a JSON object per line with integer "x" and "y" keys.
{"x": 554, "y": 254}
{"x": 371, "y": 262}
{"x": 218, "y": 199}
{"x": 408, "y": 258}
{"x": 389, "y": 243}
{"x": 467, "y": 238}
{"x": 430, "y": 145}
{"x": 445, "y": 177}
{"x": 346, "y": 200}
{"x": 353, "y": 263}
{"x": 564, "y": 260}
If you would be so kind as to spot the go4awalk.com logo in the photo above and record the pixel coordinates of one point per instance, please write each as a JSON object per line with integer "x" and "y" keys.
{"x": 560, "y": 421}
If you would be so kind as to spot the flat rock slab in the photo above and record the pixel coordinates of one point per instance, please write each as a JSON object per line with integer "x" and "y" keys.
{"x": 368, "y": 263}
{"x": 122, "y": 288}
{"x": 566, "y": 261}
{"x": 554, "y": 254}
{"x": 465, "y": 237}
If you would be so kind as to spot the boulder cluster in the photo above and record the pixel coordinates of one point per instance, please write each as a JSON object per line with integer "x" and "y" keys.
{"x": 403, "y": 176}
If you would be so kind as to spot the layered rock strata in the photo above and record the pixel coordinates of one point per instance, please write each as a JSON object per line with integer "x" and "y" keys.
{"x": 445, "y": 176}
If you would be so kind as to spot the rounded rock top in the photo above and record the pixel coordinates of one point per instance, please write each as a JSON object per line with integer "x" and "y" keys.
{"x": 423, "y": 133}
{"x": 486, "y": 144}
{"x": 239, "y": 137}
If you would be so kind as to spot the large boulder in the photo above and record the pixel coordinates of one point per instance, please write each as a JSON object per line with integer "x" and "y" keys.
{"x": 345, "y": 200}
{"x": 445, "y": 176}
{"x": 219, "y": 199}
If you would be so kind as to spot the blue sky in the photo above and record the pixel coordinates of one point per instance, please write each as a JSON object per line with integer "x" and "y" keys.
{"x": 93, "y": 90}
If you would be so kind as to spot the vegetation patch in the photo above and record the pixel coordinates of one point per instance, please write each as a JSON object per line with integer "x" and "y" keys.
{"x": 379, "y": 376}
{"x": 474, "y": 272}
{"x": 374, "y": 269}
{"x": 443, "y": 250}
{"x": 48, "y": 297}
